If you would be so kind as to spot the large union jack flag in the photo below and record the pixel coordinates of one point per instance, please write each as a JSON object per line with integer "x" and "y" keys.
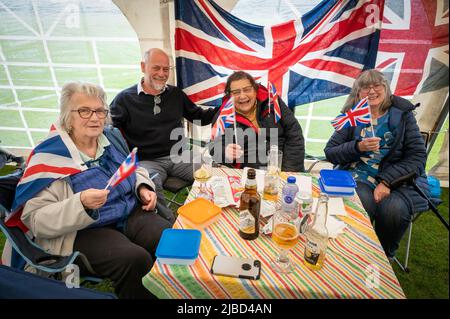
{"x": 54, "y": 158}
{"x": 413, "y": 48}
{"x": 358, "y": 115}
{"x": 313, "y": 58}
{"x": 227, "y": 118}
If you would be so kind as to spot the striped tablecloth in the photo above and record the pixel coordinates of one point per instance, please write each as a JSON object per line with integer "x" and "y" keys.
{"x": 355, "y": 264}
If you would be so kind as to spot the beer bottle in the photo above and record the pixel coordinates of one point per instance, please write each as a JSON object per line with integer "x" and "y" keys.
{"x": 317, "y": 236}
{"x": 249, "y": 208}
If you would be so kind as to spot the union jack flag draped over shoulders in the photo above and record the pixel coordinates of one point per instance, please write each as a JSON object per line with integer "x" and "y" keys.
{"x": 54, "y": 158}
{"x": 227, "y": 118}
{"x": 128, "y": 166}
{"x": 358, "y": 115}
{"x": 313, "y": 58}
{"x": 273, "y": 101}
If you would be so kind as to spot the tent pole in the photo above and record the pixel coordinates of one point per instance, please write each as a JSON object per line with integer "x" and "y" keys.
{"x": 438, "y": 125}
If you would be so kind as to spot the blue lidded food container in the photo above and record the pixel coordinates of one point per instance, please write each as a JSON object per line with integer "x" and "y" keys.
{"x": 178, "y": 246}
{"x": 337, "y": 182}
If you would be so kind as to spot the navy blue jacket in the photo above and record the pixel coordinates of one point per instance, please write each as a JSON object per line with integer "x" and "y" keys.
{"x": 407, "y": 154}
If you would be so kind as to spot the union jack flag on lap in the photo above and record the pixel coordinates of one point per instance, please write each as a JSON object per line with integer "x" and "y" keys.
{"x": 54, "y": 158}
{"x": 358, "y": 115}
{"x": 227, "y": 118}
{"x": 273, "y": 100}
{"x": 313, "y": 58}
{"x": 128, "y": 166}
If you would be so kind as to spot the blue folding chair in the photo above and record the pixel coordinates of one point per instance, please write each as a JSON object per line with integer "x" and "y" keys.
{"x": 24, "y": 249}
{"x": 433, "y": 202}
{"x": 18, "y": 284}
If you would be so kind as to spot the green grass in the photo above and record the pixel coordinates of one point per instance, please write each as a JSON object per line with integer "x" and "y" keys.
{"x": 103, "y": 20}
{"x": 6, "y": 95}
{"x": 38, "y": 98}
{"x": 64, "y": 75}
{"x": 23, "y": 50}
{"x": 18, "y": 138}
{"x": 35, "y": 76}
{"x": 429, "y": 256}
{"x": 71, "y": 52}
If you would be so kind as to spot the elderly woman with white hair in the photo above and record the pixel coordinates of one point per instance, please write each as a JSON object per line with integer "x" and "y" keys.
{"x": 380, "y": 154}
{"x": 68, "y": 208}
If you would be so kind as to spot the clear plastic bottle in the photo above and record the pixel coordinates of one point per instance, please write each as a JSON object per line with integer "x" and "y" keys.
{"x": 219, "y": 192}
{"x": 317, "y": 236}
{"x": 271, "y": 177}
{"x": 288, "y": 202}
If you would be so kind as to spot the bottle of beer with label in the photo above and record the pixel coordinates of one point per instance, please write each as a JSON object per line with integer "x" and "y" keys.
{"x": 317, "y": 236}
{"x": 249, "y": 208}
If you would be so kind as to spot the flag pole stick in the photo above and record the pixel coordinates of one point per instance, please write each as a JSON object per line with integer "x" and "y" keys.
{"x": 235, "y": 131}
{"x": 268, "y": 89}
{"x": 371, "y": 124}
{"x": 373, "y": 131}
{"x": 109, "y": 183}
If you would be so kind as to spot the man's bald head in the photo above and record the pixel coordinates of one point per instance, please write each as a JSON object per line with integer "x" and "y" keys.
{"x": 154, "y": 52}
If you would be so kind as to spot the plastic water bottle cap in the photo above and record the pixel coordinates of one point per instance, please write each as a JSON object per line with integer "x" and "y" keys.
{"x": 291, "y": 179}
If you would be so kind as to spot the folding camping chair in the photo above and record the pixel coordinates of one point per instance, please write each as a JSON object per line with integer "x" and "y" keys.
{"x": 24, "y": 249}
{"x": 18, "y": 284}
{"x": 433, "y": 202}
{"x": 410, "y": 179}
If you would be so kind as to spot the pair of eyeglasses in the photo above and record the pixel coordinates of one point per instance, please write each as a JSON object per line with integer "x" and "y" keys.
{"x": 86, "y": 113}
{"x": 156, "y": 107}
{"x": 246, "y": 90}
{"x": 166, "y": 69}
{"x": 377, "y": 87}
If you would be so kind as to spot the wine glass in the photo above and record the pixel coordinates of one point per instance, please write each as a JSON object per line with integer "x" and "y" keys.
{"x": 202, "y": 173}
{"x": 285, "y": 236}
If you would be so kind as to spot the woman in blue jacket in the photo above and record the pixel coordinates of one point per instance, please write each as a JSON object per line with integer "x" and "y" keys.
{"x": 396, "y": 150}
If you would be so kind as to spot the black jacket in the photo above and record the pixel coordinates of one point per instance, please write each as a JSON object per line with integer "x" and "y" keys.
{"x": 407, "y": 153}
{"x": 289, "y": 140}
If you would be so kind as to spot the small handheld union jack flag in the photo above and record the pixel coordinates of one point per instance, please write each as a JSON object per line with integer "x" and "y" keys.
{"x": 226, "y": 119}
{"x": 273, "y": 101}
{"x": 358, "y": 115}
{"x": 128, "y": 166}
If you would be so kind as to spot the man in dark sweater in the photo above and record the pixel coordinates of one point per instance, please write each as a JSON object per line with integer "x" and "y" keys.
{"x": 148, "y": 112}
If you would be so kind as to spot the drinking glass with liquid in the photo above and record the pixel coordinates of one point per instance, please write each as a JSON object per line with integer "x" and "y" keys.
{"x": 285, "y": 236}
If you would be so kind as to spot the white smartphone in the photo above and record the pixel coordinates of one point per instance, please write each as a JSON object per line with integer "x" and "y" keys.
{"x": 246, "y": 268}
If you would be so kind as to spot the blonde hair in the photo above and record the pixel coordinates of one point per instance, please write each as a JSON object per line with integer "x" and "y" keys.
{"x": 68, "y": 90}
{"x": 366, "y": 78}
